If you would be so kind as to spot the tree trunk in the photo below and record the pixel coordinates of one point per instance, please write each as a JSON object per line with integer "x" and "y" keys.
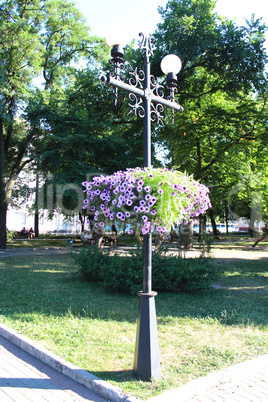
{"x": 213, "y": 223}
{"x": 36, "y": 214}
{"x": 202, "y": 225}
{"x": 226, "y": 219}
{"x": 3, "y": 200}
{"x": 3, "y": 220}
{"x": 82, "y": 221}
{"x": 251, "y": 228}
{"x": 187, "y": 236}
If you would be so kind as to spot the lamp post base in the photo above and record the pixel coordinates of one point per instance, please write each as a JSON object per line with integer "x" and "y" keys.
{"x": 147, "y": 361}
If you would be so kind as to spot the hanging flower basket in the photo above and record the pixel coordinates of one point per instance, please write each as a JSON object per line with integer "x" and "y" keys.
{"x": 153, "y": 198}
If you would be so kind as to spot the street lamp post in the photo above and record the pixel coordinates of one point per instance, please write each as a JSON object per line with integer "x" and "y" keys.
{"x": 148, "y": 102}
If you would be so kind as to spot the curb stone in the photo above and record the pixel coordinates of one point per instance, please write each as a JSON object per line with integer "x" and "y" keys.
{"x": 94, "y": 383}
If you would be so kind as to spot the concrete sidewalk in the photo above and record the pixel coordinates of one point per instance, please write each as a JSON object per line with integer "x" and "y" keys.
{"x": 243, "y": 382}
{"x": 29, "y": 372}
{"x": 24, "y": 378}
{"x": 24, "y": 252}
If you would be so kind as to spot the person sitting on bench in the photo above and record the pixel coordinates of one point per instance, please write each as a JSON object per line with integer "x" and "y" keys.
{"x": 87, "y": 238}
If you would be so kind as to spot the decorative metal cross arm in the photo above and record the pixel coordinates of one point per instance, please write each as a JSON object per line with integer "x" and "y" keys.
{"x": 147, "y": 101}
{"x": 143, "y": 86}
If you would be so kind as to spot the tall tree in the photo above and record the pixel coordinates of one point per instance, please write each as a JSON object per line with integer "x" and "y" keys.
{"x": 36, "y": 37}
{"x": 85, "y": 133}
{"x": 222, "y": 87}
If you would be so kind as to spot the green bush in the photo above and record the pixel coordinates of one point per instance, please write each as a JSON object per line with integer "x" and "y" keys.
{"x": 125, "y": 273}
{"x": 11, "y": 234}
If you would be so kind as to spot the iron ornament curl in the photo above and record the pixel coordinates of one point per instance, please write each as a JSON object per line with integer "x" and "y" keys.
{"x": 136, "y": 107}
{"x": 157, "y": 114}
{"x": 137, "y": 78}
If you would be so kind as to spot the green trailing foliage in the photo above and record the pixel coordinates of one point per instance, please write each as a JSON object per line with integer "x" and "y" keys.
{"x": 124, "y": 273}
{"x": 11, "y": 234}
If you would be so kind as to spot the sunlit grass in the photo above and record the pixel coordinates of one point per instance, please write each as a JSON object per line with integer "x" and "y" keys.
{"x": 35, "y": 243}
{"x": 45, "y": 299}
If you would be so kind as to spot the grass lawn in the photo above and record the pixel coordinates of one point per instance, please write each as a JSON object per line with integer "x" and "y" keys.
{"x": 45, "y": 299}
{"x": 36, "y": 243}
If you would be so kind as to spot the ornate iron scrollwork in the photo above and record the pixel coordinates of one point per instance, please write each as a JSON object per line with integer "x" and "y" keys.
{"x": 157, "y": 113}
{"x": 137, "y": 107}
{"x": 142, "y": 86}
{"x": 137, "y": 78}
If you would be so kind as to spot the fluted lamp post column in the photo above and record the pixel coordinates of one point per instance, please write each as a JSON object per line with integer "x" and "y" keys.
{"x": 147, "y": 101}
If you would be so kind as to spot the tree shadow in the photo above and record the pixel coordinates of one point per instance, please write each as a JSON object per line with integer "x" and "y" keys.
{"x": 55, "y": 290}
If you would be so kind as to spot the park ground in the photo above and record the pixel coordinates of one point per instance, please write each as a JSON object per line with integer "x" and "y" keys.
{"x": 45, "y": 298}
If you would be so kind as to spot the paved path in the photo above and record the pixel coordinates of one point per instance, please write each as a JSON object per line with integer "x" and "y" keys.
{"x": 29, "y": 372}
{"x": 25, "y": 378}
{"x": 246, "y": 252}
{"x": 21, "y": 252}
{"x": 243, "y": 382}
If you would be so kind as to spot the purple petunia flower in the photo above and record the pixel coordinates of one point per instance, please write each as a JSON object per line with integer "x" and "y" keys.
{"x": 145, "y": 231}
{"x": 107, "y": 194}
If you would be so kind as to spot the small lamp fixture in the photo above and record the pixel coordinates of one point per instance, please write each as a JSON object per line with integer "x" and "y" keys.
{"x": 171, "y": 66}
{"x": 117, "y": 54}
{"x": 117, "y": 60}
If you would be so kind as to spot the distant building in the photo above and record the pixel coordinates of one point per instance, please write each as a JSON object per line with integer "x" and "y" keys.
{"x": 21, "y": 214}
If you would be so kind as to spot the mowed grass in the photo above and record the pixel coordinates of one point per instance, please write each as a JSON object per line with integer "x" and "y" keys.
{"x": 36, "y": 243}
{"x": 45, "y": 299}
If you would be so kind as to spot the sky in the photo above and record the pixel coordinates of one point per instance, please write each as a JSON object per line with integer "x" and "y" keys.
{"x": 113, "y": 19}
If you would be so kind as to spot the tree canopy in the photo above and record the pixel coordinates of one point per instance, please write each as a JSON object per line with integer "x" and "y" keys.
{"x": 36, "y": 37}
{"x": 223, "y": 89}
{"x": 72, "y": 128}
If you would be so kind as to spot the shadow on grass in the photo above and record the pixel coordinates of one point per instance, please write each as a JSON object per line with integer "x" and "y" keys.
{"x": 50, "y": 286}
{"x": 118, "y": 376}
